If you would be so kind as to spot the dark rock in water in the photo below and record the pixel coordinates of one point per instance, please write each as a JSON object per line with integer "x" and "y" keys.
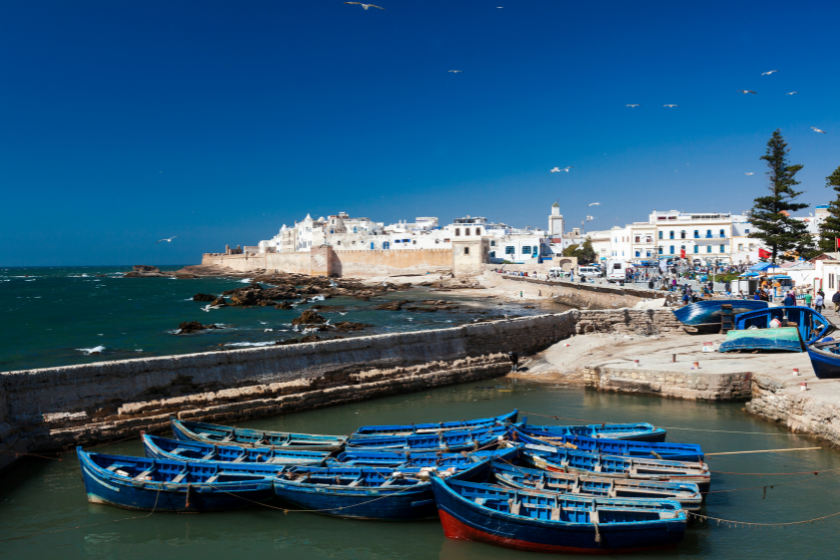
{"x": 328, "y": 308}
{"x": 203, "y": 297}
{"x": 188, "y": 327}
{"x": 146, "y": 271}
{"x": 221, "y": 302}
{"x": 392, "y": 305}
{"x": 245, "y": 297}
{"x": 528, "y": 307}
{"x": 307, "y": 338}
{"x": 309, "y": 317}
{"x": 279, "y": 293}
{"x": 283, "y": 305}
{"x": 310, "y": 338}
{"x": 347, "y": 326}
{"x": 422, "y": 309}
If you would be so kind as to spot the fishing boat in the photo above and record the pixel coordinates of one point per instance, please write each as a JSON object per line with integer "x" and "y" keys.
{"x": 370, "y": 492}
{"x": 157, "y": 447}
{"x": 705, "y": 315}
{"x": 687, "y": 494}
{"x": 176, "y": 486}
{"x": 825, "y": 359}
{"x": 613, "y": 466}
{"x": 362, "y": 458}
{"x": 630, "y": 432}
{"x": 552, "y": 522}
{"x": 782, "y": 339}
{"x": 811, "y": 325}
{"x": 472, "y": 440}
{"x": 544, "y": 435}
{"x": 434, "y": 428}
{"x": 244, "y": 437}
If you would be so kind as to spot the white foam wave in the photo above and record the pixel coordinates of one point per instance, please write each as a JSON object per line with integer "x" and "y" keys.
{"x": 249, "y": 344}
{"x": 94, "y": 350}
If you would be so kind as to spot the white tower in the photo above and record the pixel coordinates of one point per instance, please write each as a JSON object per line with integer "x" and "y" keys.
{"x": 555, "y": 221}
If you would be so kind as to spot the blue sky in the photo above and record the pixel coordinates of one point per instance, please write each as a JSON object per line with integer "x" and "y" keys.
{"x": 124, "y": 122}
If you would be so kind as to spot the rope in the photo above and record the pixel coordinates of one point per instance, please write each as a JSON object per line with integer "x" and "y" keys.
{"x": 750, "y": 524}
{"x": 33, "y": 455}
{"x": 90, "y": 525}
{"x": 757, "y": 487}
{"x": 815, "y": 473}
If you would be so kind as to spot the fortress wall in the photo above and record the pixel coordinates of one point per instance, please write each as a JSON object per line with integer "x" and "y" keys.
{"x": 392, "y": 262}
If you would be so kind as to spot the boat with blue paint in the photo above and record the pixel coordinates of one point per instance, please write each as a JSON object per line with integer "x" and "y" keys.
{"x": 363, "y": 458}
{"x": 552, "y": 522}
{"x": 705, "y": 315}
{"x": 546, "y": 435}
{"x": 245, "y": 437}
{"x": 448, "y": 442}
{"x": 434, "y": 428}
{"x": 811, "y": 325}
{"x": 687, "y": 494}
{"x": 781, "y": 339}
{"x": 630, "y": 432}
{"x": 614, "y": 466}
{"x": 157, "y": 447}
{"x": 176, "y": 486}
{"x": 825, "y": 359}
{"x": 370, "y": 492}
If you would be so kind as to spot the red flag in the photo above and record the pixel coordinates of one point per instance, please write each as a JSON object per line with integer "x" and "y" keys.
{"x": 837, "y": 242}
{"x": 762, "y": 254}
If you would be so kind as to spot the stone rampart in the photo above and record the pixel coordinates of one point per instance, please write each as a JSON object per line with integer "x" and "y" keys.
{"x": 694, "y": 386}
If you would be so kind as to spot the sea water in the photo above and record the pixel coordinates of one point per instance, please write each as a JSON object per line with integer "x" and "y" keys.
{"x": 42, "y": 496}
{"x": 54, "y": 316}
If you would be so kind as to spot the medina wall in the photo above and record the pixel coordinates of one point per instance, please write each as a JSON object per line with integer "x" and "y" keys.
{"x": 391, "y": 262}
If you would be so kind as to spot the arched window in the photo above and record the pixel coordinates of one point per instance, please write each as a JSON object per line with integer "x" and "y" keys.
{"x": 672, "y": 249}
{"x": 723, "y": 248}
{"x": 466, "y": 231}
{"x": 660, "y": 235}
{"x": 723, "y": 233}
{"x": 708, "y": 248}
{"x": 708, "y": 234}
{"x": 696, "y": 249}
{"x": 696, "y": 234}
{"x": 672, "y": 235}
{"x": 457, "y": 232}
{"x": 682, "y": 234}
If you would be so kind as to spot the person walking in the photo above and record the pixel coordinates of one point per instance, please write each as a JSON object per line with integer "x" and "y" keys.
{"x": 835, "y": 299}
{"x": 818, "y": 302}
{"x": 514, "y": 361}
{"x": 790, "y": 301}
{"x": 808, "y": 300}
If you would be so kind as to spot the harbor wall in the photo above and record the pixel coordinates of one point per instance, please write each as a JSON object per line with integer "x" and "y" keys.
{"x": 51, "y": 409}
{"x": 694, "y": 386}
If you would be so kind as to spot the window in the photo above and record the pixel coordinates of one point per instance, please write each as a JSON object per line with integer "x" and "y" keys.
{"x": 723, "y": 248}
{"x": 660, "y": 235}
{"x": 478, "y": 231}
{"x": 510, "y": 250}
{"x": 696, "y": 249}
{"x": 526, "y": 250}
{"x": 371, "y": 244}
{"x": 682, "y": 234}
{"x": 746, "y": 232}
{"x": 648, "y": 253}
{"x": 708, "y": 248}
{"x": 338, "y": 242}
{"x": 414, "y": 242}
{"x": 492, "y": 243}
{"x": 466, "y": 250}
{"x": 830, "y": 281}
{"x": 708, "y": 234}
{"x": 638, "y": 241}
{"x": 457, "y": 232}
{"x": 672, "y": 235}
{"x": 672, "y": 249}
{"x": 696, "y": 234}
{"x": 638, "y": 253}
{"x": 386, "y": 244}
{"x": 466, "y": 231}
{"x": 492, "y": 254}
{"x": 723, "y": 233}
{"x": 536, "y": 250}
{"x": 660, "y": 249}
{"x": 740, "y": 246}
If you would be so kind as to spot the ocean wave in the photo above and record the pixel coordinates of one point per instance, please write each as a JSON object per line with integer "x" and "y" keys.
{"x": 94, "y": 350}
{"x": 249, "y": 343}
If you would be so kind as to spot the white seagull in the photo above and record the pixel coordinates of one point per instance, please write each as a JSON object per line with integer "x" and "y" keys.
{"x": 455, "y": 71}
{"x": 792, "y": 93}
{"x": 670, "y": 105}
{"x": 595, "y": 204}
{"x": 750, "y": 173}
{"x": 167, "y": 240}
{"x": 768, "y": 73}
{"x": 557, "y": 169}
{"x": 366, "y": 6}
{"x": 747, "y": 91}
{"x": 815, "y": 129}
{"x": 632, "y": 105}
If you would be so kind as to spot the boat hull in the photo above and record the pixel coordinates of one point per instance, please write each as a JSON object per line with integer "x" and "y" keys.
{"x": 707, "y": 313}
{"x": 626, "y": 448}
{"x": 250, "y": 438}
{"x": 628, "y": 432}
{"x": 783, "y": 339}
{"x": 156, "y": 447}
{"x": 812, "y": 326}
{"x": 427, "y": 428}
{"x": 449, "y": 442}
{"x": 826, "y": 365}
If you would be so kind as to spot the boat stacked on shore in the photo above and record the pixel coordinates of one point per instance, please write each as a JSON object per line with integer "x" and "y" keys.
{"x": 604, "y": 488}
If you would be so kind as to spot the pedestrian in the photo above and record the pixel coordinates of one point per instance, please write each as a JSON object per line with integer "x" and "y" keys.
{"x": 514, "y": 360}
{"x": 807, "y": 299}
{"x": 790, "y": 301}
{"x": 818, "y": 302}
{"x": 835, "y": 299}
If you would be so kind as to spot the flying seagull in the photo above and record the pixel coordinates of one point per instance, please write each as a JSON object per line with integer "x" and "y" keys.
{"x": 815, "y": 129}
{"x": 557, "y": 169}
{"x": 750, "y": 173}
{"x": 366, "y": 6}
{"x": 747, "y": 91}
{"x": 595, "y": 204}
{"x": 632, "y": 105}
{"x": 669, "y": 106}
{"x": 792, "y": 93}
{"x": 167, "y": 240}
{"x": 768, "y": 73}
{"x": 455, "y": 71}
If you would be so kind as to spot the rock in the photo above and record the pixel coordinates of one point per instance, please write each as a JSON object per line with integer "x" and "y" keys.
{"x": 421, "y": 309}
{"x": 220, "y": 302}
{"x": 309, "y": 317}
{"x": 188, "y": 327}
{"x": 279, "y": 293}
{"x": 284, "y": 305}
{"x": 328, "y": 308}
{"x": 204, "y": 297}
{"x": 244, "y": 297}
{"x": 146, "y": 271}
{"x": 347, "y": 326}
{"x": 392, "y": 305}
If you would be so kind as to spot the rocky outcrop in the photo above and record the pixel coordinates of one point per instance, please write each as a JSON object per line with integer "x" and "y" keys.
{"x": 309, "y": 317}
{"x": 189, "y": 327}
{"x": 146, "y": 271}
{"x": 347, "y": 326}
{"x": 204, "y": 297}
{"x": 392, "y": 305}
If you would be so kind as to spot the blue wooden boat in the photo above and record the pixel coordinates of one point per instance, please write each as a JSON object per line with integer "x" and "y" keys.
{"x": 613, "y": 466}
{"x": 369, "y": 492}
{"x": 631, "y": 432}
{"x": 705, "y": 315}
{"x": 811, "y": 325}
{"x": 687, "y": 494}
{"x": 434, "y": 428}
{"x": 825, "y": 359}
{"x": 545, "y": 435}
{"x": 783, "y": 339}
{"x": 163, "y": 485}
{"x": 362, "y": 458}
{"x": 551, "y": 522}
{"x": 157, "y": 447}
{"x": 244, "y": 437}
{"x": 473, "y": 440}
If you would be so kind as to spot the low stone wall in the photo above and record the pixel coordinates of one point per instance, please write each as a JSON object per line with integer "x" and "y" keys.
{"x": 690, "y": 386}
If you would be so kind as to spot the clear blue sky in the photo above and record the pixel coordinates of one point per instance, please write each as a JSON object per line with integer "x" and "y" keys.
{"x": 218, "y": 121}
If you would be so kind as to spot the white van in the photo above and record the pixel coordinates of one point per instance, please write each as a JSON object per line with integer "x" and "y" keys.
{"x": 616, "y": 271}
{"x": 589, "y": 271}
{"x": 556, "y": 272}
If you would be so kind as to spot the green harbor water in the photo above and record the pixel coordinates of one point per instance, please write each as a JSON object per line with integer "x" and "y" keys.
{"x": 40, "y": 497}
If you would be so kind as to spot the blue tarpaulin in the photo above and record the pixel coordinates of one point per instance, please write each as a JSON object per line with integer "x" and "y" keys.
{"x": 762, "y": 266}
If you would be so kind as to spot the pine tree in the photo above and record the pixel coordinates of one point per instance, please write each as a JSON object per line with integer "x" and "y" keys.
{"x": 830, "y": 228}
{"x": 771, "y": 214}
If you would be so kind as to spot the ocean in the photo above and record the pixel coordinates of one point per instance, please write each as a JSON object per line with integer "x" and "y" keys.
{"x": 55, "y": 316}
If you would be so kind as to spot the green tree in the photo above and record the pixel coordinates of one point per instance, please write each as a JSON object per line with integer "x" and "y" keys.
{"x": 830, "y": 228}
{"x": 771, "y": 214}
{"x": 584, "y": 252}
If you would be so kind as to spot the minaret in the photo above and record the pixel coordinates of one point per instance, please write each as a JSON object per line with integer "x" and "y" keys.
{"x": 555, "y": 221}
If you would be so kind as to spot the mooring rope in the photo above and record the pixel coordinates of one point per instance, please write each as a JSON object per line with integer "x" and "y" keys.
{"x": 731, "y": 522}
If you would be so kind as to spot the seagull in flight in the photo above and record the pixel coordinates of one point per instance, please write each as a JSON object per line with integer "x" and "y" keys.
{"x": 366, "y": 6}
{"x": 792, "y": 93}
{"x": 595, "y": 204}
{"x": 167, "y": 240}
{"x": 632, "y": 105}
{"x": 815, "y": 129}
{"x": 670, "y": 105}
{"x": 768, "y": 73}
{"x": 557, "y": 169}
{"x": 747, "y": 91}
{"x": 456, "y": 71}
{"x": 750, "y": 173}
